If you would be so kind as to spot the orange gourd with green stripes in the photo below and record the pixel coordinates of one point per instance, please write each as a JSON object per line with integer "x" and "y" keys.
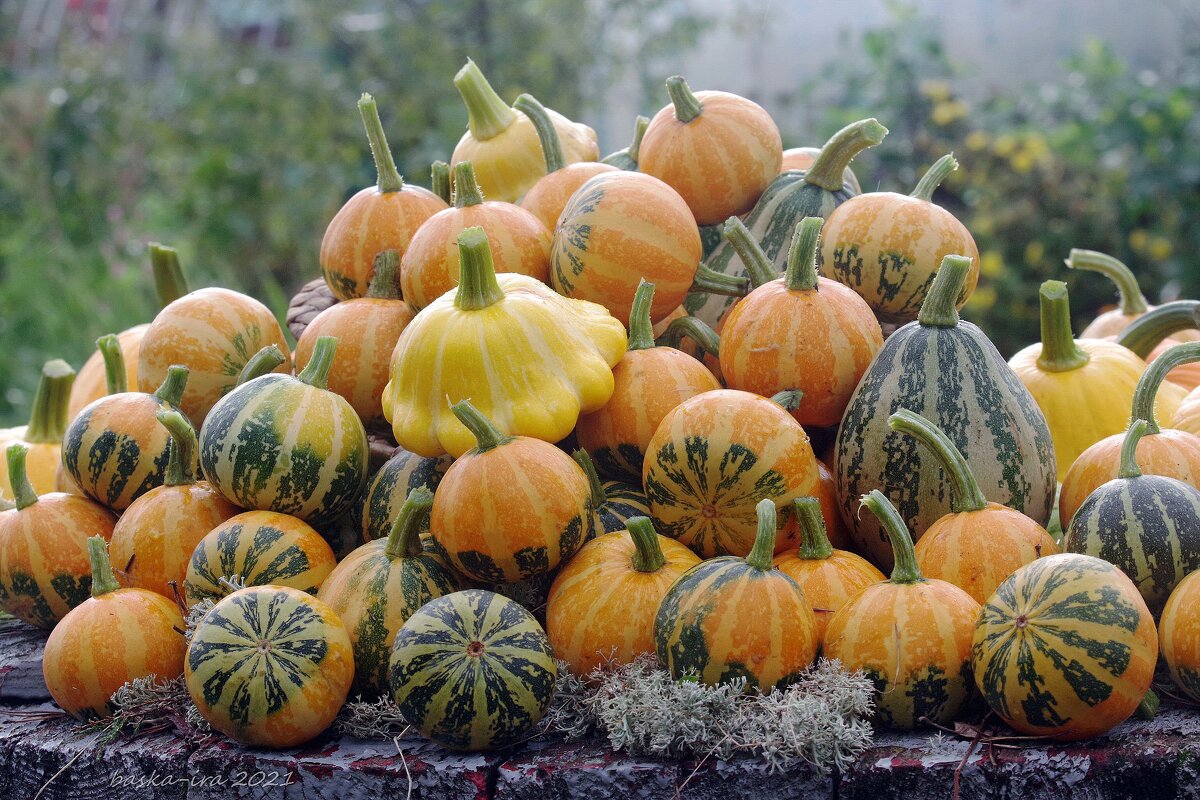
{"x": 1179, "y": 635}
{"x": 115, "y": 636}
{"x": 44, "y": 434}
{"x": 613, "y": 503}
{"x": 910, "y": 635}
{"x": 732, "y": 617}
{"x": 630, "y": 570}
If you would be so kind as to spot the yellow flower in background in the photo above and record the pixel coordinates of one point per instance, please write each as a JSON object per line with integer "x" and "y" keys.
{"x": 1022, "y": 162}
{"x": 1034, "y": 252}
{"x": 1139, "y": 240}
{"x": 1160, "y": 248}
{"x": 983, "y": 299}
{"x": 936, "y": 90}
{"x": 991, "y": 264}
{"x": 947, "y": 112}
{"x": 1004, "y": 145}
{"x": 976, "y": 140}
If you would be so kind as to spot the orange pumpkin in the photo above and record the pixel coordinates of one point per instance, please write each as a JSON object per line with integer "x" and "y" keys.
{"x": 380, "y": 217}
{"x": 718, "y": 150}
{"x": 1187, "y": 417}
{"x": 91, "y": 382}
{"x": 826, "y": 493}
{"x": 44, "y": 433}
{"x": 518, "y": 240}
{"x": 802, "y": 158}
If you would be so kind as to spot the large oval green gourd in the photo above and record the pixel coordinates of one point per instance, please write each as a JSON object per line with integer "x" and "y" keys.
{"x": 946, "y": 370}
{"x": 788, "y": 199}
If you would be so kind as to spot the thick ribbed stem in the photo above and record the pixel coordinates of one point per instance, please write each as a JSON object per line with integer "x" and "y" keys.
{"x": 171, "y": 390}
{"x": 477, "y": 284}
{"x": 439, "y": 180}
{"x": 170, "y": 283}
{"x": 404, "y": 540}
{"x": 552, "y": 149}
{"x": 593, "y": 478}
{"x": 487, "y": 435}
{"x": 1133, "y": 302}
{"x": 965, "y": 494}
{"x": 18, "y": 478}
{"x": 687, "y": 105}
{"x": 828, "y": 168}
{"x": 932, "y": 179}
{"x": 647, "y": 555}
{"x": 758, "y": 266}
{"x": 385, "y": 283}
{"x": 466, "y": 189}
{"x": 1129, "y": 466}
{"x": 641, "y": 330}
{"x": 695, "y": 329}
{"x": 487, "y": 114}
{"x": 261, "y": 363}
{"x": 1060, "y": 351}
{"x": 906, "y": 569}
{"x": 1147, "y": 331}
{"x": 815, "y": 544}
{"x": 103, "y": 579}
{"x": 1147, "y": 386}
{"x": 387, "y": 176}
{"x": 48, "y": 419}
{"x": 801, "y": 274}
{"x": 316, "y": 373}
{"x": 788, "y": 399}
{"x": 940, "y": 307}
{"x": 114, "y": 364}
{"x": 182, "y": 461}
{"x": 713, "y": 282}
{"x": 762, "y": 554}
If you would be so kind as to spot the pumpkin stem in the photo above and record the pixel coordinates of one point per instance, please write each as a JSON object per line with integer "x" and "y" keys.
{"x": 114, "y": 364}
{"x": 906, "y": 569}
{"x": 477, "y": 284}
{"x": 762, "y": 554}
{"x": 815, "y": 546}
{"x": 932, "y": 179}
{"x": 552, "y": 149}
{"x": 758, "y": 266}
{"x": 316, "y": 373}
{"x": 387, "y": 176}
{"x": 641, "y": 330}
{"x": 584, "y": 460}
{"x": 23, "y": 492}
{"x": 628, "y": 157}
{"x": 385, "y": 283}
{"x": 801, "y": 274}
{"x": 171, "y": 390}
{"x": 48, "y": 419}
{"x": 181, "y": 464}
{"x": 1147, "y": 331}
{"x": 1147, "y": 386}
{"x": 647, "y": 555}
{"x": 466, "y": 189}
{"x": 261, "y": 363}
{"x": 487, "y": 435}
{"x": 404, "y": 540}
{"x": 788, "y": 399}
{"x": 1129, "y": 466}
{"x": 103, "y": 579}
{"x": 439, "y": 180}
{"x": 487, "y": 115}
{"x": 1133, "y": 302}
{"x": 687, "y": 105}
{"x": 940, "y": 307}
{"x": 695, "y": 329}
{"x": 170, "y": 283}
{"x": 1060, "y": 351}
{"x": 713, "y": 282}
{"x": 965, "y": 494}
{"x": 826, "y": 171}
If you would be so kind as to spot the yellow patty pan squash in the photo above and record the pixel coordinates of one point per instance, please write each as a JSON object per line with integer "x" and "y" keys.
{"x": 1083, "y": 386}
{"x": 528, "y": 358}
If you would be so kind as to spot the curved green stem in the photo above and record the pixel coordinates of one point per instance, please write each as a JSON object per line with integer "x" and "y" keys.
{"x": 387, "y": 176}
{"x": 171, "y": 390}
{"x": 466, "y": 188}
{"x": 404, "y": 540}
{"x": 1060, "y": 351}
{"x": 641, "y": 330}
{"x": 1147, "y": 386}
{"x": 647, "y": 554}
{"x": 1147, "y": 331}
{"x": 695, "y": 329}
{"x": 687, "y": 105}
{"x": 758, "y": 266}
{"x": 627, "y": 158}
{"x": 487, "y": 435}
{"x": 713, "y": 282}
{"x": 1129, "y": 466}
{"x": 552, "y": 148}
{"x": 595, "y": 487}
{"x": 439, "y": 180}
{"x": 48, "y": 419}
{"x": 23, "y": 491}
{"x": 906, "y": 569}
{"x": 263, "y": 362}
{"x": 940, "y": 307}
{"x": 1133, "y": 302}
{"x": 801, "y": 274}
{"x": 182, "y": 461}
{"x": 815, "y": 545}
{"x": 103, "y": 579}
{"x": 316, "y": 372}
{"x": 932, "y": 179}
{"x": 385, "y": 283}
{"x": 114, "y": 363}
{"x": 788, "y": 399}
{"x": 477, "y": 284}
{"x": 170, "y": 283}
{"x": 762, "y": 554}
{"x": 487, "y": 114}
{"x": 828, "y": 168}
{"x": 965, "y": 494}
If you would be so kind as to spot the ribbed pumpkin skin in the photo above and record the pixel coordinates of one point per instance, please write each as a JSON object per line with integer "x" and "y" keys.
{"x": 913, "y": 641}
{"x": 467, "y": 697}
{"x": 621, "y": 501}
{"x": 213, "y": 332}
{"x": 367, "y": 330}
{"x": 550, "y": 195}
{"x": 107, "y": 641}
{"x": 154, "y": 539}
{"x": 44, "y": 567}
{"x": 430, "y": 267}
{"x": 955, "y": 378}
{"x": 724, "y": 619}
{"x": 269, "y": 666}
{"x": 276, "y": 444}
{"x": 647, "y": 384}
{"x": 828, "y": 583}
{"x": 1187, "y": 417}
{"x": 370, "y": 222}
{"x": 619, "y": 228}
{"x": 713, "y": 458}
{"x": 90, "y": 383}
{"x": 977, "y": 550}
{"x": 1084, "y": 658}
{"x": 390, "y": 487}
{"x": 600, "y": 607}
{"x": 262, "y": 547}
{"x": 1179, "y": 635}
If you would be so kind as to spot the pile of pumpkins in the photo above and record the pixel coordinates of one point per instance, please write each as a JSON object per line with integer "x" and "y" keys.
{"x": 607, "y": 378}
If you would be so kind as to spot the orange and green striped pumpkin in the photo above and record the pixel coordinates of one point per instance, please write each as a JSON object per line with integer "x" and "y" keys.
{"x": 269, "y": 666}
{"x": 1065, "y": 648}
{"x": 44, "y": 434}
{"x": 390, "y": 487}
{"x": 613, "y": 503}
{"x": 91, "y": 382}
{"x": 1179, "y": 635}
{"x": 910, "y": 635}
{"x": 115, "y": 636}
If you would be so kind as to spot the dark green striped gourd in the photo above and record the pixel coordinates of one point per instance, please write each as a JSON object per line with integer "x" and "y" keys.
{"x": 949, "y": 372}
{"x": 472, "y": 671}
{"x": 788, "y": 199}
{"x": 1148, "y": 525}
{"x": 399, "y": 475}
{"x": 613, "y": 502}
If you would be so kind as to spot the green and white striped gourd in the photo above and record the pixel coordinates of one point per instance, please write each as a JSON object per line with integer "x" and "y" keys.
{"x": 390, "y": 488}
{"x": 613, "y": 502}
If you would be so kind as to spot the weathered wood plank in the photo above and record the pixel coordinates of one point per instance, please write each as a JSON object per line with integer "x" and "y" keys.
{"x": 557, "y": 770}
{"x": 21, "y": 648}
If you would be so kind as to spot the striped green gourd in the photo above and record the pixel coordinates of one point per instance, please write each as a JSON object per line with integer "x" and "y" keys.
{"x": 472, "y": 671}
{"x": 278, "y": 443}
{"x": 613, "y": 502}
{"x": 946, "y": 370}
{"x": 788, "y": 199}
{"x": 1148, "y": 525}
{"x": 390, "y": 488}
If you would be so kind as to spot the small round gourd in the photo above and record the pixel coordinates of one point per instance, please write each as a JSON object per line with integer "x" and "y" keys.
{"x": 390, "y": 488}
{"x": 613, "y": 503}
{"x": 1179, "y": 635}
{"x": 91, "y": 382}
{"x": 44, "y": 434}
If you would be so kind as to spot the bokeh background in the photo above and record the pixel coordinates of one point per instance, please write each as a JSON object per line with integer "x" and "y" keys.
{"x": 228, "y": 129}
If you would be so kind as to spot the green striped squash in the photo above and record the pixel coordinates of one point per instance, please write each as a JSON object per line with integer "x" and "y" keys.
{"x": 947, "y": 371}
{"x": 278, "y": 443}
{"x": 399, "y": 475}
{"x": 472, "y": 671}
{"x": 613, "y": 502}
{"x": 269, "y": 666}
